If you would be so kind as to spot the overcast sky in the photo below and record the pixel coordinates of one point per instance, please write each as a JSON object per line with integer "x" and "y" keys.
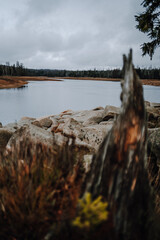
{"x": 71, "y": 34}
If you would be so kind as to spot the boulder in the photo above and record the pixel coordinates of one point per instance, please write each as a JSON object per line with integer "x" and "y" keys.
{"x": 1, "y": 125}
{"x": 94, "y": 135}
{"x": 13, "y": 127}
{"x": 33, "y": 132}
{"x": 147, "y": 104}
{"x": 70, "y": 127}
{"x": 54, "y": 125}
{"x": 110, "y": 112}
{"x": 45, "y": 122}
{"x": 88, "y": 117}
{"x": 27, "y": 118}
{"x": 5, "y": 135}
{"x": 155, "y": 105}
{"x": 36, "y": 123}
{"x": 98, "y": 108}
{"x": 85, "y": 134}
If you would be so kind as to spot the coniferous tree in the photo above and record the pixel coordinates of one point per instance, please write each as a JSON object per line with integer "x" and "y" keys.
{"x": 149, "y": 22}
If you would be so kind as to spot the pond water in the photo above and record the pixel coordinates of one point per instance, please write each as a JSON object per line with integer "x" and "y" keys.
{"x": 49, "y": 98}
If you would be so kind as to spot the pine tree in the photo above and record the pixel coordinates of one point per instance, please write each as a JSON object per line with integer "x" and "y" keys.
{"x": 149, "y": 22}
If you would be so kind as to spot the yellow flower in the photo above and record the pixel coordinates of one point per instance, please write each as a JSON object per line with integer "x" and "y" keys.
{"x": 91, "y": 213}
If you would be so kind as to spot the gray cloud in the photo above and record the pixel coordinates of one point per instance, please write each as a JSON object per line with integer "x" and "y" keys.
{"x": 70, "y": 34}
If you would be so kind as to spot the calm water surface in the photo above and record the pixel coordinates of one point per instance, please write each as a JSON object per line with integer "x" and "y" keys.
{"x": 49, "y": 98}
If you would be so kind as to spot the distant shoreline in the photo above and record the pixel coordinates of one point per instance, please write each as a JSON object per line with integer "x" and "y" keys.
{"x": 7, "y": 82}
{"x": 153, "y": 82}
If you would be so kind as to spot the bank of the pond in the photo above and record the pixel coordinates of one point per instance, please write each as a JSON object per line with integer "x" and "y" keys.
{"x": 17, "y": 82}
{"x": 20, "y": 81}
{"x": 152, "y": 82}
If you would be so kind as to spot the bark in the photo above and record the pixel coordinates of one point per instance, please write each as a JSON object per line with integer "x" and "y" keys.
{"x": 118, "y": 168}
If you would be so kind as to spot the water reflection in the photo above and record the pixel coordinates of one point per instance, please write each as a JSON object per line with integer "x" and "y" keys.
{"x": 16, "y": 88}
{"x": 22, "y": 87}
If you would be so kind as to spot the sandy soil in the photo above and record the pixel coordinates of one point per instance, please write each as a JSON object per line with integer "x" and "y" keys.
{"x": 16, "y": 82}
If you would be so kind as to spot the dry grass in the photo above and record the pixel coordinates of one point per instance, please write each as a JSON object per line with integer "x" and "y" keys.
{"x": 39, "y": 189}
{"x": 17, "y": 82}
{"x": 11, "y": 82}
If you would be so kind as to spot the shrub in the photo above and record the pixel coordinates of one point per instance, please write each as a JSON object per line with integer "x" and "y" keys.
{"x": 39, "y": 189}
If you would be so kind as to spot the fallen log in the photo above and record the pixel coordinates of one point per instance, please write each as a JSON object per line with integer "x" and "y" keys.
{"x": 118, "y": 170}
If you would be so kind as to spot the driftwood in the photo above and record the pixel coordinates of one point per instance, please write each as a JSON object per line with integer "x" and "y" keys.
{"x": 118, "y": 170}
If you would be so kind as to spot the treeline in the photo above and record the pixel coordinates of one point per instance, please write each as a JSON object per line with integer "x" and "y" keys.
{"x": 114, "y": 73}
{"x": 18, "y": 69}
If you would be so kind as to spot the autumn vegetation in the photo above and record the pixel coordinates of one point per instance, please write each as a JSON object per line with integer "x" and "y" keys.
{"x": 40, "y": 188}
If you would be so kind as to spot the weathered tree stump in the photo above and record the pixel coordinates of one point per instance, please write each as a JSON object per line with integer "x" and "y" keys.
{"x": 118, "y": 168}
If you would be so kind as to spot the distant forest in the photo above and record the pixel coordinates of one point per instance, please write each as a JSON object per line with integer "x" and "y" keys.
{"x": 18, "y": 69}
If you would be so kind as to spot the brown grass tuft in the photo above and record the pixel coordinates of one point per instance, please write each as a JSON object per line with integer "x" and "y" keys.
{"x": 39, "y": 189}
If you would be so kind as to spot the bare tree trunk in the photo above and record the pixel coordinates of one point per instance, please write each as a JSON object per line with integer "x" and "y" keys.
{"x": 118, "y": 168}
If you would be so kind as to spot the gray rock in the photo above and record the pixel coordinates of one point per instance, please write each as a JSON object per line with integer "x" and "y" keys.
{"x": 53, "y": 126}
{"x": 147, "y": 104}
{"x": 88, "y": 117}
{"x": 13, "y": 127}
{"x": 155, "y": 105}
{"x": 70, "y": 127}
{"x": 110, "y": 112}
{"x": 93, "y": 135}
{"x": 27, "y": 118}
{"x": 45, "y": 122}
{"x": 33, "y": 132}
{"x": 110, "y": 121}
{"x": 36, "y": 123}
{"x": 98, "y": 108}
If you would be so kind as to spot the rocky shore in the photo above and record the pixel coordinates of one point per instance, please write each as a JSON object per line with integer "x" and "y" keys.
{"x": 87, "y": 127}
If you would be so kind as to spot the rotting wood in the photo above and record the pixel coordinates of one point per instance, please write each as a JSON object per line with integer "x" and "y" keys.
{"x": 118, "y": 170}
